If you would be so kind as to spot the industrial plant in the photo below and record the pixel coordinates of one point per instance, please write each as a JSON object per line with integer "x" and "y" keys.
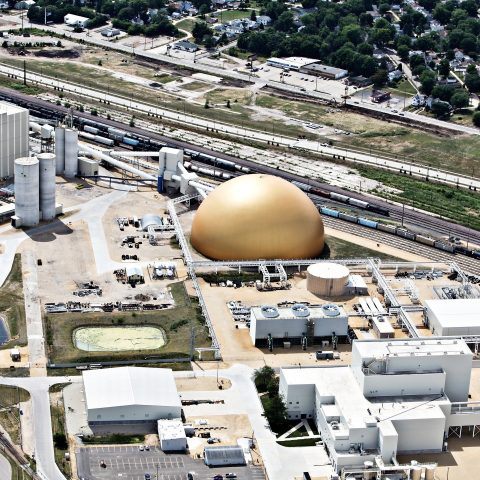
{"x": 195, "y": 313}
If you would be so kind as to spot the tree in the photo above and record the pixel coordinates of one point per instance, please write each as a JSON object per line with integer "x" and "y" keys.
{"x": 200, "y": 30}
{"x": 476, "y": 119}
{"x": 284, "y": 22}
{"x": 403, "y": 52}
{"x": 379, "y": 78}
{"x": 444, "y": 67}
{"x": 459, "y": 99}
{"x": 440, "y": 108}
{"x": 60, "y": 441}
{"x": 276, "y": 413}
{"x": 253, "y": 15}
{"x": 203, "y": 10}
{"x": 472, "y": 82}
{"x": 262, "y": 377}
{"x": 428, "y": 79}
{"x": 443, "y": 92}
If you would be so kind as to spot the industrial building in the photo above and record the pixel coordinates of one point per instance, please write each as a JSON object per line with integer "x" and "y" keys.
{"x": 171, "y": 434}
{"x": 397, "y": 397}
{"x": 257, "y": 216}
{"x": 13, "y": 136}
{"x": 325, "y": 71}
{"x": 297, "y": 325}
{"x": 453, "y": 317}
{"x": 75, "y": 21}
{"x": 130, "y": 395}
{"x": 290, "y": 63}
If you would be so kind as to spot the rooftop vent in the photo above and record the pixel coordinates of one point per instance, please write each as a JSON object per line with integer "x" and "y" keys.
{"x": 269, "y": 311}
{"x": 331, "y": 310}
{"x": 300, "y": 310}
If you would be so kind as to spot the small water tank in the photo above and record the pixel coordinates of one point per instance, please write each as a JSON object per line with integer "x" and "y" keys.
{"x": 416, "y": 473}
{"x": 269, "y": 311}
{"x": 26, "y": 179}
{"x": 300, "y": 310}
{"x": 60, "y": 150}
{"x": 327, "y": 279}
{"x": 430, "y": 473}
{"x": 71, "y": 152}
{"x": 46, "y": 132}
{"x": 47, "y": 185}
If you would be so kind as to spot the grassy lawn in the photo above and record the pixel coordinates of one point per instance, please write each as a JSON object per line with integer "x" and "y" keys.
{"x": 186, "y": 24}
{"x": 177, "y": 324}
{"x": 462, "y": 206}
{"x": 58, "y": 428}
{"x": 228, "y": 15}
{"x": 404, "y": 86}
{"x": 301, "y": 442}
{"x": 9, "y": 410}
{"x": 337, "y": 248}
{"x": 194, "y": 86}
{"x": 166, "y": 78}
{"x": 12, "y": 305}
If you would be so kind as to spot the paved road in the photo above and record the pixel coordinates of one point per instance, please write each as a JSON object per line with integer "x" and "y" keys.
{"x": 33, "y": 314}
{"x": 241, "y": 132}
{"x": 5, "y": 469}
{"x": 227, "y": 73}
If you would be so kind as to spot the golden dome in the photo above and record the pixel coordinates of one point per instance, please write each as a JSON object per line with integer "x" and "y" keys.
{"x": 257, "y": 217}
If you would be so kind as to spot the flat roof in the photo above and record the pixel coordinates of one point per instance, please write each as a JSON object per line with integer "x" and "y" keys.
{"x": 420, "y": 347}
{"x": 296, "y": 62}
{"x": 286, "y": 313}
{"x": 121, "y": 386}
{"x": 8, "y": 108}
{"x": 455, "y": 313}
{"x": 170, "y": 429}
{"x": 325, "y": 68}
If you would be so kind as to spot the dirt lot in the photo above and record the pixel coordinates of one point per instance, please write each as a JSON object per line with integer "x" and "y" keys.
{"x": 201, "y": 384}
{"x": 228, "y": 428}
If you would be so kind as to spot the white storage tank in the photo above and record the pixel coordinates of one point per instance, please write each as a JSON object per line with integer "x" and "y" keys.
{"x": 416, "y": 473}
{"x": 60, "y": 150}
{"x": 71, "y": 152}
{"x": 430, "y": 472}
{"x": 47, "y": 185}
{"x": 327, "y": 279}
{"x": 26, "y": 180}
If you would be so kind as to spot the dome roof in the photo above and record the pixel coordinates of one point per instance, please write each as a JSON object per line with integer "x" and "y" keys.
{"x": 257, "y": 217}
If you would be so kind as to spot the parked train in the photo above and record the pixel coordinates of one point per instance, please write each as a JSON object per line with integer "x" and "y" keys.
{"x": 216, "y": 161}
{"x": 337, "y": 197}
{"x": 209, "y": 172}
{"x": 401, "y": 232}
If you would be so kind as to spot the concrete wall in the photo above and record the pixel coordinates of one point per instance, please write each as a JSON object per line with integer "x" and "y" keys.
{"x": 416, "y": 434}
{"x": 13, "y": 139}
{"x": 135, "y": 413}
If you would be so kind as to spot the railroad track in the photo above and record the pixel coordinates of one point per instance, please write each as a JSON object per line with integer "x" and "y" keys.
{"x": 470, "y": 265}
{"x": 413, "y": 217}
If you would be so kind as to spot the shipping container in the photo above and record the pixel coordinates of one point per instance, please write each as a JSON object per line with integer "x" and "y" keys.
{"x": 367, "y": 223}
{"x": 386, "y": 228}
{"x": 329, "y": 211}
{"x": 401, "y": 232}
{"x": 444, "y": 246}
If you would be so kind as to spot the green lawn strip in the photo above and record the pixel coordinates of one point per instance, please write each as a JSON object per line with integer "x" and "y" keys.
{"x": 114, "y": 439}
{"x": 336, "y": 248}
{"x": 60, "y": 442}
{"x": 462, "y": 206}
{"x": 10, "y": 411}
{"x": 12, "y": 305}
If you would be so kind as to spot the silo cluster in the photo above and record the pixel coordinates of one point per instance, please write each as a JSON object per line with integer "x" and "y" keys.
{"x": 66, "y": 151}
{"x": 34, "y": 190}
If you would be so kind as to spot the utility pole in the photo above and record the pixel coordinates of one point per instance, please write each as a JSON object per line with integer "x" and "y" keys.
{"x": 24, "y": 72}
{"x": 192, "y": 343}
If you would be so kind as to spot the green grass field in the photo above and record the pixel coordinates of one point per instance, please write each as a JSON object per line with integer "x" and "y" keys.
{"x": 9, "y": 410}
{"x": 336, "y": 248}
{"x": 462, "y": 206}
{"x": 58, "y": 428}
{"x": 177, "y": 324}
{"x": 12, "y": 305}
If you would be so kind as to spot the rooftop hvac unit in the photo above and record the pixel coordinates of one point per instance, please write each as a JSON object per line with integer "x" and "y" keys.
{"x": 331, "y": 310}
{"x": 300, "y": 310}
{"x": 269, "y": 311}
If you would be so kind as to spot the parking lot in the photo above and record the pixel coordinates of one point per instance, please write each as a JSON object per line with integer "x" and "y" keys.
{"x": 128, "y": 463}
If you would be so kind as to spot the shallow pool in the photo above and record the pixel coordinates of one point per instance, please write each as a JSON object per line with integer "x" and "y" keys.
{"x": 117, "y": 339}
{"x": 4, "y": 335}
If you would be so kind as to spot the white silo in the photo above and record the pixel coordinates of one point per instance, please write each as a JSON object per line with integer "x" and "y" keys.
{"x": 60, "y": 150}
{"x": 47, "y": 185}
{"x": 71, "y": 152}
{"x": 27, "y": 191}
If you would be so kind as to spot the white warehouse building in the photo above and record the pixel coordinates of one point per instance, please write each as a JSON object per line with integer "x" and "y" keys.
{"x": 397, "y": 397}
{"x": 291, "y": 324}
{"x": 14, "y": 132}
{"x": 453, "y": 317}
{"x": 130, "y": 395}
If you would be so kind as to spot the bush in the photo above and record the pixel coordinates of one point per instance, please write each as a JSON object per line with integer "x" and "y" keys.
{"x": 262, "y": 377}
{"x": 476, "y": 119}
{"x": 60, "y": 441}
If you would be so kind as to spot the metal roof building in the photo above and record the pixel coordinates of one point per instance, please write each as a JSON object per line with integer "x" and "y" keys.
{"x": 228, "y": 455}
{"x": 130, "y": 395}
{"x": 453, "y": 317}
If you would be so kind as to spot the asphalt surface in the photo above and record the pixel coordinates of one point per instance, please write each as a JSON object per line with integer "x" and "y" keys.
{"x": 128, "y": 463}
{"x": 5, "y": 469}
{"x": 411, "y": 216}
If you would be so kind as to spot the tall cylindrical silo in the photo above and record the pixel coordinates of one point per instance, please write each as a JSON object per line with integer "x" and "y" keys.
{"x": 71, "y": 152}
{"x": 60, "y": 150}
{"x": 27, "y": 191}
{"x": 47, "y": 185}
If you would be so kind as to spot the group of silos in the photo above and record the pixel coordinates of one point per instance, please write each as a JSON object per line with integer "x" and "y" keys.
{"x": 35, "y": 179}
